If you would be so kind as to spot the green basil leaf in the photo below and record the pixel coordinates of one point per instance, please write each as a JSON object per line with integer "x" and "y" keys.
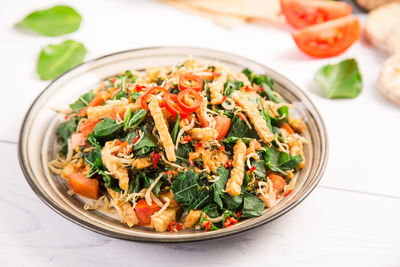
{"x": 134, "y": 96}
{"x": 232, "y": 86}
{"x": 54, "y": 21}
{"x": 185, "y": 187}
{"x": 131, "y": 121}
{"x": 240, "y": 129}
{"x": 232, "y": 140}
{"x": 65, "y": 130}
{"x": 219, "y": 185}
{"x": 106, "y": 128}
{"x": 287, "y": 162}
{"x": 175, "y": 130}
{"x": 342, "y": 80}
{"x": 82, "y": 101}
{"x": 260, "y": 168}
{"x": 252, "y": 206}
{"x": 110, "y": 182}
{"x": 54, "y": 60}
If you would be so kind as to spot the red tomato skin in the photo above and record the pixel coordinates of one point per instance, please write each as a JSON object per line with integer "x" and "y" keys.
{"x": 319, "y": 40}
{"x": 222, "y": 125}
{"x": 301, "y": 14}
{"x": 144, "y": 211}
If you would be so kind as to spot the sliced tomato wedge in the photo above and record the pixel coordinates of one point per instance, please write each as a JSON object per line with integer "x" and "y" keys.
{"x": 172, "y": 106}
{"x": 190, "y": 81}
{"x": 328, "y": 39}
{"x": 150, "y": 92}
{"x": 301, "y": 13}
{"x": 87, "y": 127}
{"x": 189, "y": 100}
{"x": 222, "y": 125}
{"x": 84, "y": 186}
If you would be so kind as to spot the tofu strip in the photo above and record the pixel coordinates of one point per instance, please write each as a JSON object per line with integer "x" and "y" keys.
{"x": 161, "y": 222}
{"x": 127, "y": 212}
{"x": 192, "y": 218}
{"x": 203, "y": 134}
{"x": 233, "y": 186}
{"x": 162, "y": 128}
{"x": 255, "y": 117}
{"x": 217, "y": 88}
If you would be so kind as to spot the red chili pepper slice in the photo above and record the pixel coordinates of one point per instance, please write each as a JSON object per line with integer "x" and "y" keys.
{"x": 170, "y": 172}
{"x": 149, "y": 92}
{"x": 190, "y": 81}
{"x": 252, "y": 169}
{"x": 228, "y": 164}
{"x": 206, "y": 225}
{"x": 187, "y": 138}
{"x": 156, "y": 157}
{"x": 230, "y": 221}
{"x": 139, "y": 88}
{"x": 287, "y": 193}
{"x": 223, "y": 99}
{"x": 242, "y": 117}
{"x": 189, "y": 100}
{"x": 172, "y": 106}
{"x": 175, "y": 227}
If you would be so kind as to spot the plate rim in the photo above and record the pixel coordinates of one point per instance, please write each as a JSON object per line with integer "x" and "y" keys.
{"x": 94, "y": 228}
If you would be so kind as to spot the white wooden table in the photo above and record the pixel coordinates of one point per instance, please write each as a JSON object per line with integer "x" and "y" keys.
{"x": 351, "y": 219}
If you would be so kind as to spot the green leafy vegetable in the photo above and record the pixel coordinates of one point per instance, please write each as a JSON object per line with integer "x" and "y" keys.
{"x": 280, "y": 161}
{"x": 106, "y": 127}
{"x": 134, "y": 96}
{"x": 82, "y": 101}
{"x": 131, "y": 121}
{"x": 240, "y": 129}
{"x": 148, "y": 181}
{"x": 342, "y": 80}
{"x": 185, "y": 187}
{"x": 219, "y": 185}
{"x": 232, "y": 140}
{"x": 64, "y": 131}
{"x": 110, "y": 182}
{"x": 146, "y": 145}
{"x": 54, "y": 60}
{"x": 265, "y": 82}
{"x": 260, "y": 168}
{"x": 203, "y": 219}
{"x": 232, "y": 86}
{"x": 252, "y": 206}
{"x": 175, "y": 130}
{"x": 54, "y": 21}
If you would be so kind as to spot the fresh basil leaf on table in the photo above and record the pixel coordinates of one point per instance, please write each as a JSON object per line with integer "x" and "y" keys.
{"x": 342, "y": 80}
{"x": 54, "y": 21}
{"x": 54, "y": 60}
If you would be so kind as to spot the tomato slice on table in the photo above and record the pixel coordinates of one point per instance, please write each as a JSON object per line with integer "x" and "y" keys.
{"x": 328, "y": 39}
{"x": 148, "y": 93}
{"x": 190, "y": 81}
{"x": 301, "y": 13}
{"x": 189, "y": 100}
{"x": 172, "y": 106}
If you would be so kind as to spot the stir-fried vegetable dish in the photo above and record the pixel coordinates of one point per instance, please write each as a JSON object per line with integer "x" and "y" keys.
{"x": 171, "y": 148}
